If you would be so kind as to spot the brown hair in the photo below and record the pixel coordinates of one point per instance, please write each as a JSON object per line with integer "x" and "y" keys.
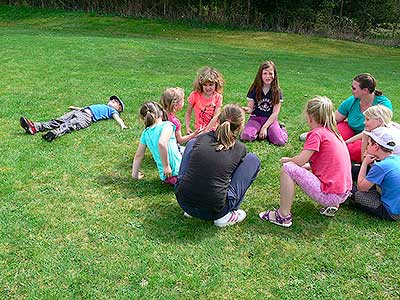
{"x": 258, "y": 83}
{"x": 150, "y": 112}
{"x": 231, "y": 122}
{"x": 208, "y": 74}
{"x": 368, "y": 81}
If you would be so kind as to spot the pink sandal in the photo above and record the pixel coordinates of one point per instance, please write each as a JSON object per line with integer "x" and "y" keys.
{"x": 279, "y": 220}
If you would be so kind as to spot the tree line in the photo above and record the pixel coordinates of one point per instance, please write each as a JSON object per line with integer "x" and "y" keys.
{"x": 330, "y": 17}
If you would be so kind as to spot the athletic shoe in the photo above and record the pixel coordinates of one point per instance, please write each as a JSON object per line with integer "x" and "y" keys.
{"x": 49, "y": 136}
{"x": 27, "y": 125}
{"x": 231, "y": 218}
{"x": 186, "y": 215}
{"x": 329, "y": 211}
{"x": 303, "y": 136}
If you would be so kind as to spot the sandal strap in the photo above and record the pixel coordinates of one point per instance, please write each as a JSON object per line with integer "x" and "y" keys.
{"x": 280, "y": 219}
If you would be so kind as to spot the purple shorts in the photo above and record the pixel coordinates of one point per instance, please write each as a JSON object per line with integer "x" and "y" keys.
{"x": 311, "y": 185}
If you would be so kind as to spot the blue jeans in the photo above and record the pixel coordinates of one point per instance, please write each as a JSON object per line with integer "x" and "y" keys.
{"x": 241, "y": 180}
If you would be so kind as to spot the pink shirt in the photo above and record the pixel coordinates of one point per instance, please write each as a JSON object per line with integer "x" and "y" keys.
{"x": 204, "y": 108}
{"x": 174, "y": 120}
{"x": 330, "y": 161}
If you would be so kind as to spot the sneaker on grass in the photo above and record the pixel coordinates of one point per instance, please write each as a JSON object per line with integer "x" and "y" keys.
{"x": 231, "y": 218}
{"x": 27, "y": 125}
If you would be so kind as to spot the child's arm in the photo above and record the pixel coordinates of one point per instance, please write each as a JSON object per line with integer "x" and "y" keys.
{"x": 121, "y": 123}
{"x": 274, "y": 116}
{"x": 214, "y": 120}
{"x": 301, "y": 159}
{"x": 74, "y": 107}
{"x": 183, "y": 139}
{"x": 137, "y": 161}
{"x": 354, "y": 138}
{"x": 363, "y": 184}
{"x": 188, "y": 116}
{"x": 250, "y": 106}
{"x": 163, "y": 148}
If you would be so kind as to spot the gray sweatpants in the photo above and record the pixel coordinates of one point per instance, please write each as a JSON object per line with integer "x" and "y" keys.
{"x": 73, "y": 120}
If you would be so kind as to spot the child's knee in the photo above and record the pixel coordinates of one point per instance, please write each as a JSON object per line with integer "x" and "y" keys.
{"x": 247, "y": 137}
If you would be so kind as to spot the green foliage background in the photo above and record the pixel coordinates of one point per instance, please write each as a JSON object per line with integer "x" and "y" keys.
{"x": 74, "y": 225}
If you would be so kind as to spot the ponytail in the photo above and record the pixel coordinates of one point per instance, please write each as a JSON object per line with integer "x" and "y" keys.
{"x": 150, "y": 112}
{"x": 231, "y": 121}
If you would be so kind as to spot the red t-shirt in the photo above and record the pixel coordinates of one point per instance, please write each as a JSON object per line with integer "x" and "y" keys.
{"x": 204, "y": 108}
{"x": 330, "y": 162}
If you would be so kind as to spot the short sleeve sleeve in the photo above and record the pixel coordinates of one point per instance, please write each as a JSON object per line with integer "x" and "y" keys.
{"x": 192, "y": 98}
{"x": 345, "y": 106}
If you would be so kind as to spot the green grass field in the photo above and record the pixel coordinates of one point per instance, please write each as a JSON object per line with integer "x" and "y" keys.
{"x": 74, "y": 225}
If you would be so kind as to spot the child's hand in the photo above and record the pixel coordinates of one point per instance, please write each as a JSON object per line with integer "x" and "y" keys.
{"x": 124, "y": 127}
{"x": 263, "y": 133}
{"x": 369, "y": 159}
{"x": 285, "y": 160}
{"x": 167, "y": 171}
{"x": 246, "y": 109}
{"x": 189, "y": 130}
{"x": 198, "y": 131}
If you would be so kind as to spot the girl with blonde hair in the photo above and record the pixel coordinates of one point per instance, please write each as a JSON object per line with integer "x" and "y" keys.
{"x": 172, "y": 101}
{"x": 216, "y": 172}
{"x": 322, "y": 169}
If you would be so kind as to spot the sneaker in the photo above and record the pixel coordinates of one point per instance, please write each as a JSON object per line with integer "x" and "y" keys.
{"x": 186, "y": 215}
{"x": 329, "y": 211}
{"x": 303, "y": 136}
{"x": 49, "y": 136}
{"x": 27, "y": 125}
{"x": 231, "y": 218}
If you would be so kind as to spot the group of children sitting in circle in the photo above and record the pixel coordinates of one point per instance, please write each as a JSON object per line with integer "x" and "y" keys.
{"x": 213, "y": 171}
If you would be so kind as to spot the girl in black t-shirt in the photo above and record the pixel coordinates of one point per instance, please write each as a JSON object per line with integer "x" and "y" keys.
{"x": 264, "y": 100}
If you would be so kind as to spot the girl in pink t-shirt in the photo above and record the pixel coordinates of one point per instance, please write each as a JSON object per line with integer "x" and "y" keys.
{"x": 172, "y": 100}
{"x": 205, "y": 100}
{"x": 322, "y": 169}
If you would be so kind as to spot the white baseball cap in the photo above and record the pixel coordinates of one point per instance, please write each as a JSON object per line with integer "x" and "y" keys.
{"x": 384, "y": 136}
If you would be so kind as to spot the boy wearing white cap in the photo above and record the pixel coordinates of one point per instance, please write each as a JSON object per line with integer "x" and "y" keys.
{"x": 384, "y": 172}
{"x": 76, "y": 119}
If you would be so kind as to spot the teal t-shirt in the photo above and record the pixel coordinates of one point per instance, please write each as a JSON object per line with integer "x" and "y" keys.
{"x": 150, "y": 137}
{"x": 351, "y": 109}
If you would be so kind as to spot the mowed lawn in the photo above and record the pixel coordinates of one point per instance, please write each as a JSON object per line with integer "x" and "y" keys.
{"x": 74, "y": 225}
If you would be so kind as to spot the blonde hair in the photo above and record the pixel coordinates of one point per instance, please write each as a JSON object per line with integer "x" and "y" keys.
{"x": 170, "y": 97}
{"x": 150, "y": 112}
{"x": 208, "y": 74}
{"x": 320, "y": 109}
{"x": 231, "y": 122}
{"x": 380, "y": 112}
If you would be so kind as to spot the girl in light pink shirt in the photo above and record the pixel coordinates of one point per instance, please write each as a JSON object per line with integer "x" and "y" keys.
{"x": 205, "y": 100}
{"x": 322, "y": 169}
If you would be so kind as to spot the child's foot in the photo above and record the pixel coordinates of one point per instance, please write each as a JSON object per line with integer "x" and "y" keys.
{"x": 329, "y": 211}
{"x": 49, "y": 136}
{"x": 231, "y": 218}
{"x": 275, "y": 217}
{"x": 27, "y": 125}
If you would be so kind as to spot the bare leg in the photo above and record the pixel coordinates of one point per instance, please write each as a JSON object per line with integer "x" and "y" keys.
{"x": 287, "y": 190}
